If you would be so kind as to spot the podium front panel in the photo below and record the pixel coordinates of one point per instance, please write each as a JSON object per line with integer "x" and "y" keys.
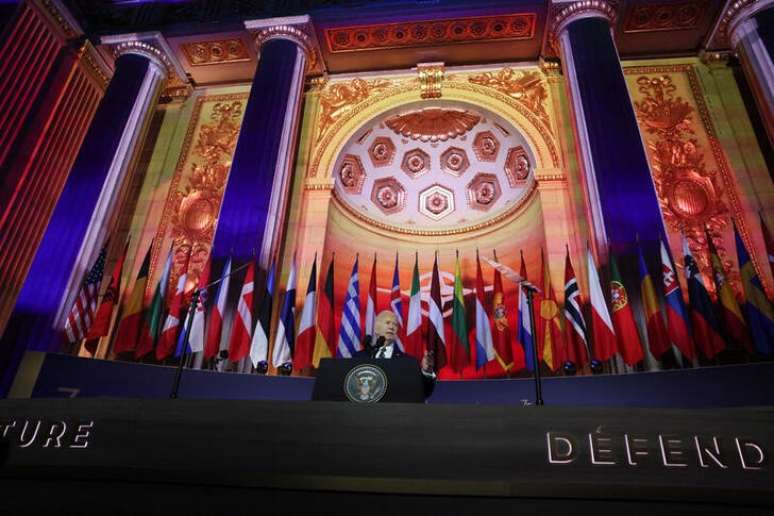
{"x": 369, "y": 380}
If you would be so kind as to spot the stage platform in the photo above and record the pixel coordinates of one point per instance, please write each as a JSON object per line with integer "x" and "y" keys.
{"x": 128, "y": 456}
{"x": 242, "y": 444}
{"x": 55, "y": 376}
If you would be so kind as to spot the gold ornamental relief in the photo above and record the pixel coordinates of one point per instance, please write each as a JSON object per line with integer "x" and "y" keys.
{"x": 192, "y": 209}
{"x": 433, "y": 124}
{"x": 526, "y": 87}
{"x": 340, "y": 98}
{"x": 691, "y": 193}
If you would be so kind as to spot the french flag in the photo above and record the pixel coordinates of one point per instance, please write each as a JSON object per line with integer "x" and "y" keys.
{"x": 677, "y": 319}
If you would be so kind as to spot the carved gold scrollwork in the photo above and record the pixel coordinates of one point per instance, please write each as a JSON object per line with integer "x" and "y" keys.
{"x": 691, "y": 196}
{"x": 525, "y": 87}
{"x": 195, "y": 208}
{"x": 340, "y": 98}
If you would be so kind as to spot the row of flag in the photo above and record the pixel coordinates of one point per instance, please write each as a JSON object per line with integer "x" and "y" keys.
{"x": 559, "y": 336}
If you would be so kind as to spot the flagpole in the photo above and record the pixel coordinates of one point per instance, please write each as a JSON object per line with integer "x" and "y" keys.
{"x": 530, "y": 290}
{"x": 184, "y": 354}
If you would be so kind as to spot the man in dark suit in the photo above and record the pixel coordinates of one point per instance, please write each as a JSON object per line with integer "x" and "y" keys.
{"x": 384, "y": 347}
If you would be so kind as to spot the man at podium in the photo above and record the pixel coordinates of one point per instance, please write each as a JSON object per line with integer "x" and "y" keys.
{"x": 384, "y": 347}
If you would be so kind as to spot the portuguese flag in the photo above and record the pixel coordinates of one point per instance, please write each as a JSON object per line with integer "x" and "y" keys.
{"x": 460, "y": 345}
{"x": 623, "y": 318}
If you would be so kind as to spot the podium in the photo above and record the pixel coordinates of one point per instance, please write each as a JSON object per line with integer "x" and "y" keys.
{"x": 369, "y": 380}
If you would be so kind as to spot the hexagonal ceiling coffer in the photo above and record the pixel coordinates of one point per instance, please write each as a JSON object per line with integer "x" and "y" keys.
{"x": 436, "y": 202}
{"x": 388, "y": 195}
{"x": 486, "y": 146}
{"x": 416, "y": 162}
{"x": 382, "y": 151}
{"x": 517, "y": 166}
{"x": 351, "y": 174}
{"x": 483, "y": 191}
{"x": 454, "y": 161}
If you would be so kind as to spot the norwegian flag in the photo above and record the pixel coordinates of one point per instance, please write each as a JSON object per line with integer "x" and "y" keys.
{"x": 82, "y": 313}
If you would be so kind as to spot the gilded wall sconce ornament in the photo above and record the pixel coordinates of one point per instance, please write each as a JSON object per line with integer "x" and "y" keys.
{"x": 339, "y": 98}
{"x": 691, "y": 195}
{"x": 526, "y": 87}
{"x": 195, "y": 208}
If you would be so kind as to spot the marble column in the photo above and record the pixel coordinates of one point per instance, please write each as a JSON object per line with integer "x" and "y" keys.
{"x": 621, "y": 196}
{"x": 78, "y": 226}
{"x": 252, "y": 212}
{"x": 47, "y": 101}
{"x": 749, "y": 26}
{"x": 251, "y": 221}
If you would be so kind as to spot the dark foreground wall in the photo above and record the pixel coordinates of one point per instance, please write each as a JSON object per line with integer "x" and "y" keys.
{"x": 120, "y": 456}
{"x": 56, "y": 376}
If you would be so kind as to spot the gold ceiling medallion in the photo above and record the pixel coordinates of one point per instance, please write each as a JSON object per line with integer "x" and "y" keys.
{"x": 431, "y": 77}
{"x": 195, "y": 209}
{"x": 689, "y": 194}
{"x": 433, "y": 124}
{"x": 525, "y": 87}
{"x": 340, "y": 98}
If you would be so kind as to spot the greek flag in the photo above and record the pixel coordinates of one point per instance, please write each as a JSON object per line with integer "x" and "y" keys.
{"x": 349, "y": 333}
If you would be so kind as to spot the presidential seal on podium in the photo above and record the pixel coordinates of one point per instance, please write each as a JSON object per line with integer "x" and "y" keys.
{"x": 365, "y": 384}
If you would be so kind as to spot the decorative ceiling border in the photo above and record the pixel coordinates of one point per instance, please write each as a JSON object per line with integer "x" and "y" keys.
{"x": 359, "y": 38}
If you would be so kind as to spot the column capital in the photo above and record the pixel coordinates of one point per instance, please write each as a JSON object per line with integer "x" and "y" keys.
{"x": 64, "y": 24}
{"x": 567, "y": 12}
{"x": 151, "y": 45}
{"x": 297, "y": 29}
{"x": 727, "y": 29}
{"x": 95, "y": 65}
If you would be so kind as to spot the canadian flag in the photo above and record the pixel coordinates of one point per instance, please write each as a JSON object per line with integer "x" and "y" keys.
{"x": 601, "y": 323}
{"x": 241, "y": 328}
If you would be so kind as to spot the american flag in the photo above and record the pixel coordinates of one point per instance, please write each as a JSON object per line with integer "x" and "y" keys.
{"x": 82, "y": 314}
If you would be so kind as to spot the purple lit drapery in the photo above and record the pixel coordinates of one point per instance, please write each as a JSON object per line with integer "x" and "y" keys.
{"x": 31, "y": 323}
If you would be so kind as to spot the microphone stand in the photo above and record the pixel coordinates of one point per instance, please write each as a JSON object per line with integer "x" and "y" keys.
{"x": 186, "y": 336}
{"x": 187, "y": 331}
{"x": 530, "y": 290}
